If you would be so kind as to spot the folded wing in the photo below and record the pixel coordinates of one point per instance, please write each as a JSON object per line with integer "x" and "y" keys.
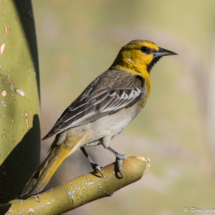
{"x": 95, "y": 106}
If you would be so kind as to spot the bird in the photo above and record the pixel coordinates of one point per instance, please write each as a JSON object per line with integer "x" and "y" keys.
{"x": 102, "y": 111}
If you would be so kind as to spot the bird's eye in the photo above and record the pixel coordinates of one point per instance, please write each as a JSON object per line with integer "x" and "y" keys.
{"x": 145, "y": 49}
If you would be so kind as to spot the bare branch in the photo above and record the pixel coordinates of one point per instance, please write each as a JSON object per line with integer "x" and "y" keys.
{"x": 82, "y": 190}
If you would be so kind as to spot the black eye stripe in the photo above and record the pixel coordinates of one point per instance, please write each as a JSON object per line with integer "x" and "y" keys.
{"x": 145, "y": 49}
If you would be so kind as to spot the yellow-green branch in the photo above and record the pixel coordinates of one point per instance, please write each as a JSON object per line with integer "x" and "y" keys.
{"x": 82, "y": 190}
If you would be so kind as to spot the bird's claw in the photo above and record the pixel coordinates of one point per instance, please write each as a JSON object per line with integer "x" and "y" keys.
{"x": 96, "y": 168}
{"x": 119, "y": 165}
{"x": 119, "y": 160}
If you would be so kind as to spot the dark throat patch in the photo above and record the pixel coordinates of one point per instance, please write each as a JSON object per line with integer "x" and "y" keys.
{"x": 153, "y": 62}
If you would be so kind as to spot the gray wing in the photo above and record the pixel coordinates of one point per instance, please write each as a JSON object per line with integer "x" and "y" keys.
{"x": 95, "y": 106}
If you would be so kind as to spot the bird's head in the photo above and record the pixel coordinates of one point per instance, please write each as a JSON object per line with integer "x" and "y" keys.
{"x": 139, "y": 56}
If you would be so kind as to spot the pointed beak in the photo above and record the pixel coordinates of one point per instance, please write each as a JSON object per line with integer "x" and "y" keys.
{"x": 163, "y": 52}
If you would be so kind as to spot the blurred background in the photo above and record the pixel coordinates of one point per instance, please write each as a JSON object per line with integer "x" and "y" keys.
{"x": 78, "y": 40}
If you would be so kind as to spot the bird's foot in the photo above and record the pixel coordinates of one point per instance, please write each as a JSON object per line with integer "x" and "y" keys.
{"x": 119, "y": 160}
{"x": 96, "y": 168}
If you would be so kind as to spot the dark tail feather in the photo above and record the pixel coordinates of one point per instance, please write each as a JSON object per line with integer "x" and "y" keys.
{"x": 52, "y": 132}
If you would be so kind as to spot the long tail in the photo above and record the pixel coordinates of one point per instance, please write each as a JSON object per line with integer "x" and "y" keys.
{"x": 43, "y": 174}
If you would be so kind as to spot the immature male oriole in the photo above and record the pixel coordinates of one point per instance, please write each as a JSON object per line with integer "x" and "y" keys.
{"x": 102, "y": 111}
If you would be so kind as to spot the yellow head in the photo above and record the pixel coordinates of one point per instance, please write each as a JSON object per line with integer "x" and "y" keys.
{"x": 139, "y": 56}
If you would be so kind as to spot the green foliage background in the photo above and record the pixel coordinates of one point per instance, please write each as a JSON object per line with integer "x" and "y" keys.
{"x": 78, "y": 40}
